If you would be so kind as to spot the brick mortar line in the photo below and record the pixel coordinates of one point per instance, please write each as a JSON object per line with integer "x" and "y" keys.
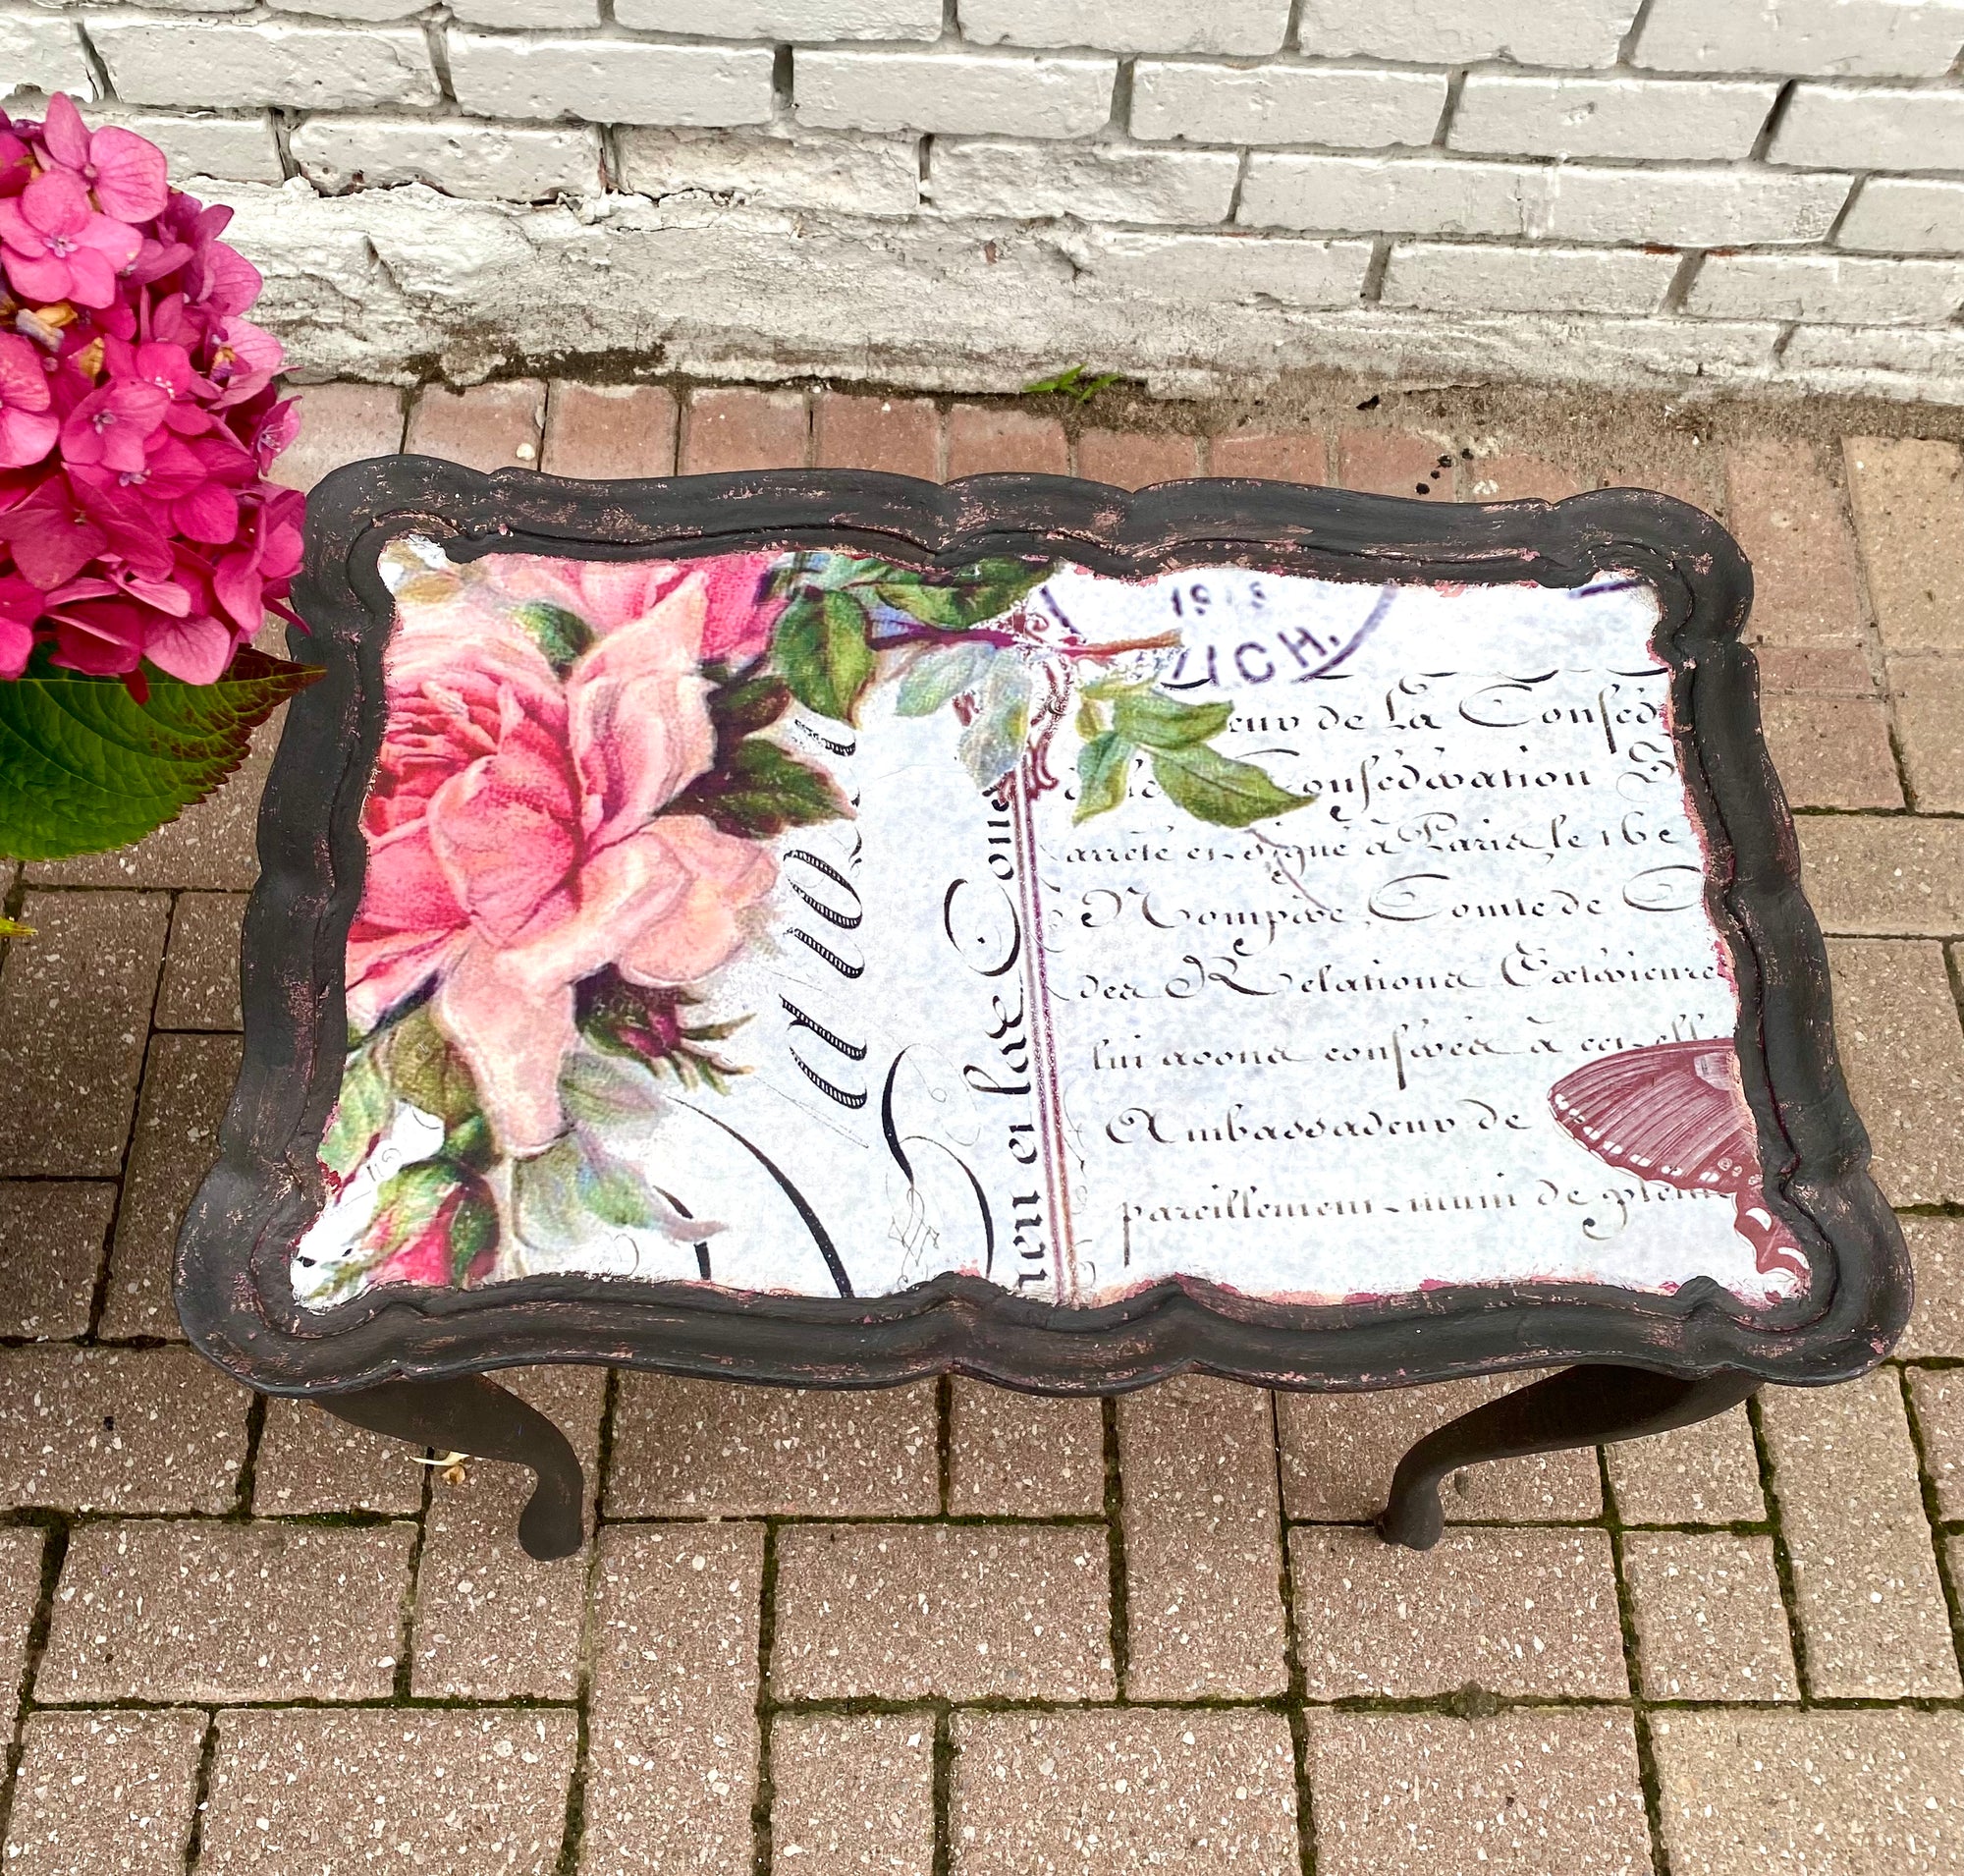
{"x": 764, "y": 1802}
{"x": 1117, "y": 1587}
{"x": 572, "y": 1833}
{"x": 1470, "y": 1701}
{"x": 1782, "y": 1558}
{"x": 1297, "y": 1694}
{"x": 412, "y": 1601}
{"x": 98, "y": 1300}
{"x": 1648, "y": 1780}
{"x": 942, "y": 1792}
{"x": 1873, "y": 646}
{"x": 54, "y": 1554}
{"x": 1953, "y": 967}
{"x": 200, "y": 1792}
{"x": 1925, "y": 1475}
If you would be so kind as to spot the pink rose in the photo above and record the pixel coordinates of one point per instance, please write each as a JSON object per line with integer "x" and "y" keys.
{"x": 514, "y": 842}
{"x": 611, "y": 593}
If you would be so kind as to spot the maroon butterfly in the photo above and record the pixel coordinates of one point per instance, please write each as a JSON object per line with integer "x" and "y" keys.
{"x": 1676, "y": 1112}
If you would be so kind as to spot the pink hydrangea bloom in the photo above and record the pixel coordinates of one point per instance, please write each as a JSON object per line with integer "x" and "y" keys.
{"x": 126, "y": 171}
{"x": 139, "y": 415}
{"x": 111, "y": 426}
{"x": 27, "y": 430}
{"x": 58, "y": 247}
{"x": 20, "y": 607}
{"x": 517, "y": 843}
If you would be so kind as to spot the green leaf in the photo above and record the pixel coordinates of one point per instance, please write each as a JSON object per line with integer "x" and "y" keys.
{"x": 939, "y": 676}
{"x": 993, "y": 744}
{"x": 602, "y": 1090}
{"x": 1071, "y": 384}
{"x": 1104, "y": 768}
{"x": 557, "y": 1196}
{"x": 820, "y": 646}
{"x": 362, "y": 1114}
{"x": 561, "y": 635}
{"x": 407, "y": 1203}
{"x": 473, "y": 1234}
{"x": 425, "y": 1071}
{"x": 471, "y": 1143}
{"x": 761, "y": 790}
{"x": 612, "y": 1191}
{"x": 746, "y": 705}
{"x": 545, "y": 1205}
{"x": 85, "y": 767}
{"x": 983, "y": 589}
{"x": 1156, "y": 721}
{"x": 1211, "y": 787}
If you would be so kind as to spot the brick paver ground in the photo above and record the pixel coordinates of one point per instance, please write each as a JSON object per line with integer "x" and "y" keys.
{"x": 943, "y": 1630}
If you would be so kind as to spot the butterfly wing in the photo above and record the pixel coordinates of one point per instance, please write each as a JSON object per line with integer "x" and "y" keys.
{"x": 1674, "y": 1111}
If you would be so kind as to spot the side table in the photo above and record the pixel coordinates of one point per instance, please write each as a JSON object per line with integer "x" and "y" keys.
{"x": 830, "y": 929}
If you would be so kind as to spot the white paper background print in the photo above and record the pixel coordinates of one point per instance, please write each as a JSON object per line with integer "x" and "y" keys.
{"x": 1308, "y": 1061}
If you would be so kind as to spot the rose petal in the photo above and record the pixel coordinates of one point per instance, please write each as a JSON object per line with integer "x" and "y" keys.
{"x": 700, "y": 934}
{"x": 513, "y": 1040}
{"x": 641, "y": 726}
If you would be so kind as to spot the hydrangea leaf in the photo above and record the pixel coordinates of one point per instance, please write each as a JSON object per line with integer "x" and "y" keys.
{"x": 85, "y": 767}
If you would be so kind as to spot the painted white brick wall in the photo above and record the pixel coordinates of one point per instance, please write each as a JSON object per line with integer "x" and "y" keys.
{"x": 1906, "y": 216}
{"x": 461, "y": 156}
{"x": 39, "y": 50}
{"x": 240, "y": 149}
{"x": 155, "y": 59}
{"x": 1584, "y": 32}
{"x": 1624, "y": 118}
{"x": 517, "y": 15}
{"x": 1882, "y": 128}
{"x": 1100, "y": 182}
{"x": 961, "y": 94}
{"x": 1340, "y": 107}
{"x": 794, "y": 21}
{"x": 1432, "y": 195}
{"x": 1836, "y": 38}
{"x": 949, "y": 191}
{"x": 1238, "y": 27}
{"x": 1831, "y": 288}
{"x": 773, "y": 168}
{"x": 610, "y": 81}
{"x": 1458, "y": 277}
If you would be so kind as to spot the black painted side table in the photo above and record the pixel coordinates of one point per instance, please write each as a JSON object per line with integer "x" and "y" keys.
{"x": 833, "y": 929}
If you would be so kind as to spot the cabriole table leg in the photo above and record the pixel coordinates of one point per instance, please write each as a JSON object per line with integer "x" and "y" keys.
{"x": 471, "y": 1413}
{"x": 1590, "y": 1406}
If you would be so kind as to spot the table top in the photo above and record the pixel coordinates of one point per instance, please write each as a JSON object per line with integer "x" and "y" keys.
{"x": 835, "y": 928}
